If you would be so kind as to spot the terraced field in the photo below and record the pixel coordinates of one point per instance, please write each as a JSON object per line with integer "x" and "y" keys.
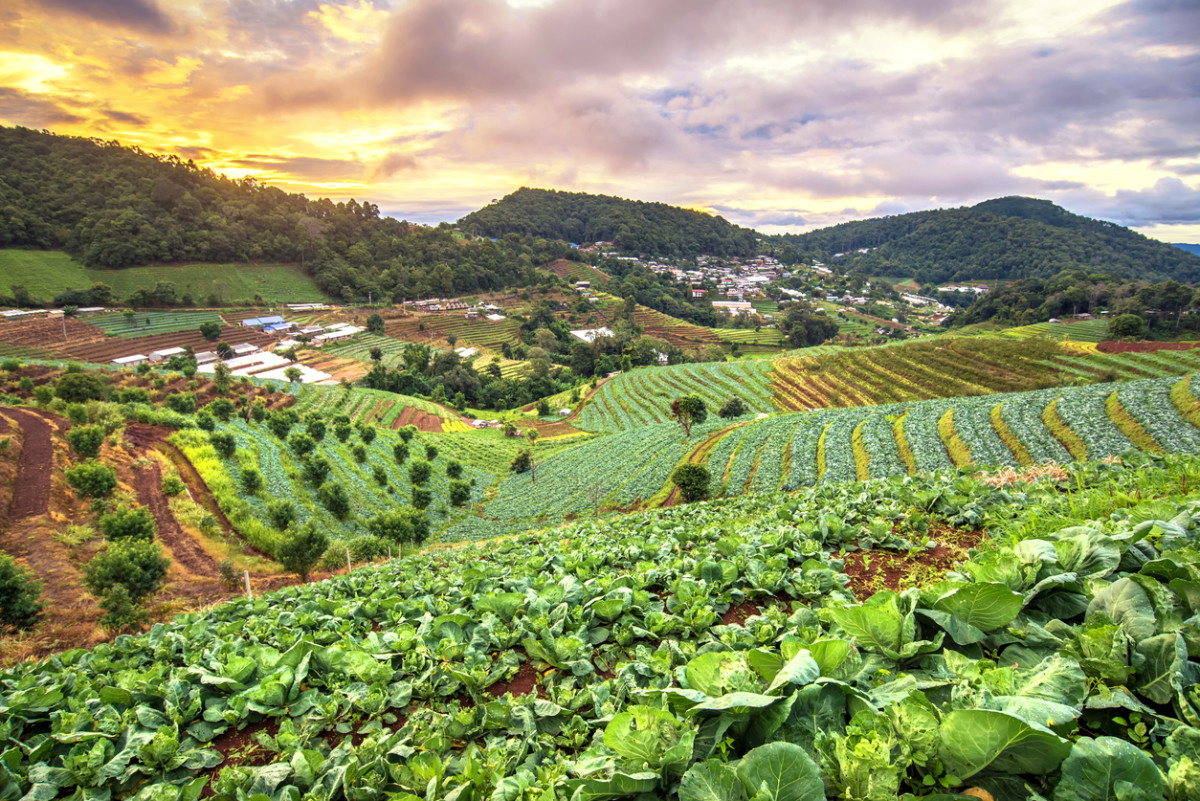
{"x": 428, "y": 327}
{"x": 377, "y": 407}
{"x": 1078, "y": 331}
{"x": 88, "y": 343}
{"x": 149, "y": 323}
{"x": 577, "y": 271}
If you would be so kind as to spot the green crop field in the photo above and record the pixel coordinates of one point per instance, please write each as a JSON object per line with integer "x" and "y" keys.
{"x": 148, "y": 323}
{"x": 1079, "y": 331}
{"x": 46, "y": 273}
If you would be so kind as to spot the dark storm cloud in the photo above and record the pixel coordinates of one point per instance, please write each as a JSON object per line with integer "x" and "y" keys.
{"x": 140, "y": 15}
{"x": 1170, "y": 201}
{"x": 19, "y": 108}
{"x": 125, "y": 117}
{"x": 304, "y": 166}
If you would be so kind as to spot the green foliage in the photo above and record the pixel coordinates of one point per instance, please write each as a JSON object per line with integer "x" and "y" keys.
{"x": 20, "y": 607}
{"x": 10, "y": 365}
{"x": 316, "y": 468}
{"x": 211, "y": 330}
{"x": 400, "y": 452}
{"x": 406, "y": 433}
{"x": 281, "y": 513}
{"x": 301, "y": 548}
{"x": 181, "y": 402}
{"x": 222, "y": 409}
{"x": 460, "y": 492}
{"x": 359, "y": 453}
{"x": 334, "y": 498}
{"x": 252, "y": 480}
{"x": 692, "y": 480}
{"x": 205, "y": 422}
{"x": 136, "y": 564}
{"x": 522, "y": 462}
{"x": 366, "y": 433}
{"x": 734, "y": 407}
{"x": 121, "y": 611}
{"x": 280, "y": 422}
{"x": 375, "y": 323}
{"x": 82, "y": 387}
{"x": 419, "y": 471}
{"x": 1127, "y": 326}
{"x": 454, "y": 468}
{"x": 86, "y": 440}
{"x": 421, "y": 497}
{"x": 92, "y": 479}
{"x": 172, "y": 485}
{"x": 223, "y": 443}
{"x": 688, "y": 411}
{"x": 128, "y": 523}
{"x": 342, "y": 431}
{"x": 431, "y": 452}
{"x": 403, "y": 524}
{"x": 301, "y": 444}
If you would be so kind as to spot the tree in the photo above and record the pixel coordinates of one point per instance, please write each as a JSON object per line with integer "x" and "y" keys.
{"x": 224, "y": 350}
{"x": 734, "y": 407}
{"x": 293, "y": 374}
{"x": 252, "y": 480}
{"x": 376, "y": 353}
{"x": 460, "y": 492}
{"x": 222, "y": 376}
{"x": 419, "y": 471}
{"x": 688, "y": 410}
{"x": 68, "y": 311}
{"x": 137, "y": 565}
{"x": 431, "y": 452}
{"x": 521, "y": 462}
{"x": 20, "y": 608}
{"x": 301, "y": 444}
{"x": 454, "y": 469}
{"x": 315, "y": 428}
{"x": 334, "y": 498}
{"x": 543, "y": 408}
{"x": 692, "y": 480}
{"x": 130, "y": 317}
{"x": 1127, "y": 326}
{"x": 400, "y": 451}
{"x": 182, "y": 402}
{"x": 223, "y": 443}
{"x": 316, "y": 468}
{"x": 81, "y": 387}
{"x": 86, "y": 440}
{"x": 128, "y": 522}
{"x": 301, "y": 548}
{"x": 403, "y": 524}
{"x": 421, "y": 497}
{"x": 211, "y": 330}
{"x": 406, "y": 433}
{"x": 366, "y": 433}
{"x": 92, "y": 480}
{"x": 222, "y": 409}
{"x": 375, "y": 324}
{"x": 532, "y": 436}
{"x": 281, "y": 513}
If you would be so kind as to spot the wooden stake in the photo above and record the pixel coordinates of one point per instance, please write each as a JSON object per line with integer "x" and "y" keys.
{"x": 249, "y": 592}
{"x": 347, "y": 560}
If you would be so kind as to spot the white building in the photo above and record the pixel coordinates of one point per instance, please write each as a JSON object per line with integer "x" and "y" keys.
{"x": 589, "y": 334}
{"x": 130, "y": 361}
{"x": 165, "y": 354}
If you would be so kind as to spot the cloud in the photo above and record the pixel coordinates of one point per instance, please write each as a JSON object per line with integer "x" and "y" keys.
{"x": 140, "y": 15}
{"x": 394, "y": 162}
{"x": 303, "y": 167}
{"x": 126, "y": 117}
{"x": 20, "y": 108}
{"x": 1170, "y": 201}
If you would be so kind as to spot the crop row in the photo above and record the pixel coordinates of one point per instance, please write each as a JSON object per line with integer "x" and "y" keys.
{"x": 148, "y": 323}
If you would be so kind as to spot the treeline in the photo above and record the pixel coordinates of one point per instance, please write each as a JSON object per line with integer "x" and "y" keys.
{"x": 633, "y": 226}
{"x": 1168, "y": 307}
{"x": 1003, "y": 239}
{"x": 111, "y": 206}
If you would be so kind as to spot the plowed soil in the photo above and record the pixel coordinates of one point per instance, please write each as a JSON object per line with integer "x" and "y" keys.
{"x": 871, "y": 571}
{"x": 31, "y": 494}
{"x": 186, "y": 551}
{"x": 424, "y": 421}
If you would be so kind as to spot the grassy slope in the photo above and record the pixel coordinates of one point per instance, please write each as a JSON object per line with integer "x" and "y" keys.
{"x": 46, "y": 273}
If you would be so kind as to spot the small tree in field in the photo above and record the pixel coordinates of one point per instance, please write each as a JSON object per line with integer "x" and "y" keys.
{"x": 692, "y": 480}
{"x": 92, "y": 480}
{"x": 86, "y": 440}
{"x": 211, "y": 330}
{"x": 734, "y": 407}
{"x": 302, "y": 547}
{"x": 19, "y": 605}
{"x": 137, "y": 565}
{"x": 293, "y": 374}
{"x": 688, "y": 410}
{"x": 128, "y": 523}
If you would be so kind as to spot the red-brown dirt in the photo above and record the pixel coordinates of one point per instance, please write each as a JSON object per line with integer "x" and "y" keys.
{"x": 874, "y": 570}
{"x": 741, "y": 613}
{"x": 31, "y": 494}
{"x": 186, "y": 551}
{"x": 1144, "y": 347}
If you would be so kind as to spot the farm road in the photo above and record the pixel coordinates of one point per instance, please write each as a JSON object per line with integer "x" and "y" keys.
{"x": 31, "y": 495}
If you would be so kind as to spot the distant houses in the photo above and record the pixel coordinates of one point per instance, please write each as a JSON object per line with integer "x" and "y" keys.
{"x": 589, "y": 335}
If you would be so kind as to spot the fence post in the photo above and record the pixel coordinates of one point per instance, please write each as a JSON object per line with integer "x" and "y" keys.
{"x": 347, "y": 560}
{"x": 249, "y": 592}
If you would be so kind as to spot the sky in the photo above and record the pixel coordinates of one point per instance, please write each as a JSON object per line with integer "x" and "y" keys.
{"x": 782, "y": 115}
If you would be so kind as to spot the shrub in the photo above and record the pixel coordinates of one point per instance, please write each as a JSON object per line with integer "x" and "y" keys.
{"x": 223, "y": 443}
{"x": 380, "y": 475}
{"x": 316, "y": 429}
{"x": 133, "y": 395}
{"x": 407, "y": 433}
{"x": 86, "y": 440}
{"x": 172, "y": 485}
{"x": 92, "y": 480}
{"x": 431, "y": 452}
{"x": 400, "y": 451}
{"x": 400, "y": 525}
{"x": 81, "y": 387}
{"x": 43, "y": 395}
{"x": 20, "y": 608}
{"x": 222, "y": 409}
{"x": 182, "y": 402}
{"x": 10, "y": 365}
{"x": 334, "y": 498}
{"x": 108, "y": 416}
{"x": 421, "y": 497}
{"x": 123, "y": 613}
{"x": 138, "y": 565}
{"x": 692, "y": 480}
{"x": 258, "y": 410}
{"x": 342, "y": 431}
{"x": 460, "y": 492}
{"x": 419, "y": 471}
{"x": 280, "y": 422}
{"x": 128, "y": 523}
{"x": 366, "y": 433}
{"x": 316, "y": 468}
{"x": 205, "y": 422}
{"x": 366, "y": 548}
{"x": 359, "y": 453}
{"x": 228, "y": 576}
{"x": 281, "y": 513}
{"x": 521, "y": 462}
{"x": 252, "y": 480}
{"x": 301, "y": 548}
{"x": 454, "y": 468}
{"x": 734, "y": 407}
{"x": 543, "y": 408}
{"x": 76, "y": 413}
{"x": 301, "y": 444}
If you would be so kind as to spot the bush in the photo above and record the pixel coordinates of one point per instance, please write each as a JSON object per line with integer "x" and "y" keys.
{"x": 252, "y": 480}
{"x": 521, "y": 462}
{"x": 25, "y": 384}
{"x": 692, "y": 480}
{"x": 543, "y": 408}
{"x": 123, "y": 613}
{"x": 460, "y": 492}
{"x": 366, "y": 548}
{"x": 342, "y": 431}
{"x": 81, "y": 387}
{"x": 222, "y": 409}
{"x": 223, "y": 443}
{"x": 400, "y": 525}
{"x": 76, "y": 413}
{"x": 359, "y": 453}
{"x": 419, "y": 471}
{"x": 334, "y": 498}
{"x": 375, "y": 323}
{"x": 20, "y": 608}
{"x": 228, "y": 576}
{"x": 205, "y": 422}
{"x": 431, "y": 452}
{"x": 316, "y": 468}
{"x": 172, "y": 485}
{"x": 421, "y": 497}
{"x": 258, "y": 410}
{"x": 734, "y": 407}
{"x": 138, "y": 565}
{"x": 43, "y": 395}
{"x": 366, "y": 433}
{"x": 301, "y": 444}
{"x": 182, "y": 402}
{"x": 128, "y": 523}
{"x": 301, "y": 548}
{"x": 316, "y": 429}
{"x": 108, "y": 416}
{"x": 281, "y": 513}
{"x": 381, "y": 476}
{"x": 454, "y": 469}
{"x": 133, "y": 395}
{"x": 92, "y": 480}
{"x": 400, "y": 451}
{"x": 86, "y": 440}
{"x": 10, "y": 365}
{"x": 407, "y": 433}
{"x": 280, "y": 422}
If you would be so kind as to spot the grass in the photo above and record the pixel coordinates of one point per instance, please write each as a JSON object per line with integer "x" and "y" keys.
{"x": 46, "y": 273}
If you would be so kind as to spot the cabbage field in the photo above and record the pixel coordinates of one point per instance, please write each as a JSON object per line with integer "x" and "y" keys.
{"x": 1058, "y": 661}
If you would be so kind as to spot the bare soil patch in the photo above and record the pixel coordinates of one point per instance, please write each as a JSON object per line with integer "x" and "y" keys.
{"x": 875, "y": 570}
{"x": 186, "y": 551}
{"x": 31, "y": 493}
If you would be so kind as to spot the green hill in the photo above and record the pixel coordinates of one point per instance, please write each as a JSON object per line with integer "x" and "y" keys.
{"x": 1002, "y": 239}
{"x": 651, "y": 229}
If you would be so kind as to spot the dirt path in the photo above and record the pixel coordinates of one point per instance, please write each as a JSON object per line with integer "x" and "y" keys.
{"x": 31, "y": 493}
{"x": 187, "y": 552}
{"x": 700, "y": 454}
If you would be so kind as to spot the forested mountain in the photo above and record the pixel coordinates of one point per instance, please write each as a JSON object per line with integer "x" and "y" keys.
{"x": 113, "y": 206}
{"x": 1003, "y": 239}
{"x": 650, "y": 229}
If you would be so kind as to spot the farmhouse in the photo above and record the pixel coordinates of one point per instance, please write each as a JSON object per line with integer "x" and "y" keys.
{"x": 259, "y": 322}
{"x": 733, "y": 306}
{"x": 495, "y": 316}
{"x": 466, "y": 353}
{"x": 130, "y": 361}
{"x": 245, "y": 349}
{"x": 165, "y": 353}
{"x": 589, "y": 334}
{"x": 336, "y": 334}
{"x": 205, "y": 357}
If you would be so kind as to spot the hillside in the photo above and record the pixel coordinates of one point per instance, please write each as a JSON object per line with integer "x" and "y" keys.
{"x": 1002, "y": 239}
{"x": 634, "y": 226}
